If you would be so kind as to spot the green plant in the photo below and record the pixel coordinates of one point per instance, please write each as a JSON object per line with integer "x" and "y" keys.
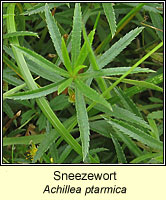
{"x": 111, "y": 113}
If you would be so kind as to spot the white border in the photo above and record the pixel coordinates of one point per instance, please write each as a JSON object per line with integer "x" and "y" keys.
{"x": 81, "y": 164}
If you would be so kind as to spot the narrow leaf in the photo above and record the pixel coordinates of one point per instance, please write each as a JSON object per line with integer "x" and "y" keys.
{"x": 54, "y": 31}
{"x": 97, "y": 20}
{"x": 76, "y": 34}
{"x": 20, "y": 33}
{"x": 91, "y": 93}
{"x": 124, "y": 114}
{"x": 82, "y": 118}
{"x": 136, "y": 134}
{"x": 119, "y": 151}
{"x": 114, "y": 72}
{"x": 41, "y": 60}
{"x": 84, "y": 50}
{"x": 66, "y": 58}
{"x": 43, "y": 72}
{"x": 115, "y": 50}
{"x": 110, "y": 15}
{"x": 34, "y": 67}
{"x": 43, "y": 91}
{"x": 64, "y": 85}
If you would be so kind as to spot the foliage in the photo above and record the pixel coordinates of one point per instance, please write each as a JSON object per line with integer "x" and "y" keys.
{"x": 86, "y": 79}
